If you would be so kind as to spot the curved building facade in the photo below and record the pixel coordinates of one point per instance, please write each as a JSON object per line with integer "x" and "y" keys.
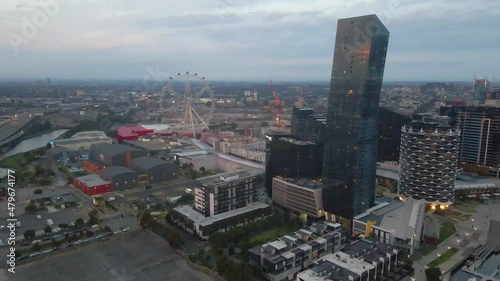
{"x": 428, "y": 163}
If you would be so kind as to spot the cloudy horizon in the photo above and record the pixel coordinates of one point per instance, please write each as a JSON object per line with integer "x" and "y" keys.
{"x": 240, "y": 40}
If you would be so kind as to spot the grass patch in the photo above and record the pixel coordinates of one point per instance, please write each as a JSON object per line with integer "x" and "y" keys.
{"x": 464, "y": 208}
{"x": 264, "y": 236}
{"x": 15, "y": 162}
{"x": 447, "y": 229}
{"x": 427, "y": 250}
{"x": 443, "y": 258}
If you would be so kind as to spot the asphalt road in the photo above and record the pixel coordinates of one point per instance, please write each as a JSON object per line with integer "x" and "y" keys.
{"x": 134, "y": 256}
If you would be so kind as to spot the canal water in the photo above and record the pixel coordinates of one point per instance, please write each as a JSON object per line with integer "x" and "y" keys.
{"x": 32, "y": 143}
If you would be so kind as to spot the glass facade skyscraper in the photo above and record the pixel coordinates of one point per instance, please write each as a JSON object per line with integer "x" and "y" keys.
{"x": 350, "y": 157}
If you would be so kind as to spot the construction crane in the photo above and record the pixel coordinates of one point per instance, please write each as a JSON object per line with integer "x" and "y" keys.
{"x": 277, "y": 104}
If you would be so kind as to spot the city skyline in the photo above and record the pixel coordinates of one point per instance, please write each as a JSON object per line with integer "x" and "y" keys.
{"x": 233, "y": 40}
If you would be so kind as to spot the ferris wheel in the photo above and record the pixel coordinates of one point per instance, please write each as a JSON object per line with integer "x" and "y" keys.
{"x": 188, "y": 111}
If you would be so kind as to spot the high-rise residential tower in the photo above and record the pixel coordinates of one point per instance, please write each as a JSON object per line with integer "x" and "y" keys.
{"x": 352, "y": 133}
{"x": 428, "y": 161}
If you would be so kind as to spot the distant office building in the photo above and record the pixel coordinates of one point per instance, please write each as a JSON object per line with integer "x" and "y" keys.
{"x": 284, "y": 257}
{"x": 396, "y": 223}
{"x": 390, "y": 124}
{"x": 428, "y": 162}
{"x": 308, "y": 126}
{"x": 288, "y": 157}
{"x": 480, "y": 137}
{"x": 492, "y": 98}
{"x": 364, "y": 260}
{"x": 225, "y": 192}
{"x": 480, "y": 87}
{"x": 302, "y": 196}
{"x": 352, "y": 134}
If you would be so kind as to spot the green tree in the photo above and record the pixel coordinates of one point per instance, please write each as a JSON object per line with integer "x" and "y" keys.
{"x": 90, "y": 233}
{"x": 31, "y": 208}
{"x": 107, "y": 228}
{"x": 55, "y": 243}
{"x": 29, "y": 234}
{"x": 146, "y": 220}
{"x": 223, "y": 263}
{"x": 36, "y": 247}
{"x": 433, "y": 274}
{"x": 231, "y": 250}
{"x": 47, "y": 229}
{"x": 70, "y": 179}
{"x": 79, "y": 222}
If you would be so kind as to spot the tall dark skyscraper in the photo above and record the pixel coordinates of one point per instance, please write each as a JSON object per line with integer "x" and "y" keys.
{"x": 350, "y": 157}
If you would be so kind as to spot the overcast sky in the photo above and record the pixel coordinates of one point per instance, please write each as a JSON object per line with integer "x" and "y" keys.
{"x": 447, "y": 40}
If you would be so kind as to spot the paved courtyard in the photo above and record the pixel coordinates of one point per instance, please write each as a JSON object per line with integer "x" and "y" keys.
{"x": 470, "y": 233}
{"x": 136, "y": 256}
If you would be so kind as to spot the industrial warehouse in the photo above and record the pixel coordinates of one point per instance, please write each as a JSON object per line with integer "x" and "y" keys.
{"x": 119, "y": 167}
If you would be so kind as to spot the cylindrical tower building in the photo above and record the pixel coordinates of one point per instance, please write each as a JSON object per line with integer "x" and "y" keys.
{"x": 428, "y": 162}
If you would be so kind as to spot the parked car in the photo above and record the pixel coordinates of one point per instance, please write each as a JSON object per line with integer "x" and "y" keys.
{"x": 126, "y": 229}
{"x": 78, "y": 242}
{"x": 47, "y": 251}
{"x": 2, "y": 227}
{"x": 39, "y": 217}
{"x": 36, "y": 241}
{"x": 118, "y": 231}
{"x": 34, "y": 254}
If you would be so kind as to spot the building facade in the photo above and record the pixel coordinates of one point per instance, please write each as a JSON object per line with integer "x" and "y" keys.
{"x": 282, "y": 258}
{"x": 364, "y": 260}
{"x": 308, "y": 126}
{"x": 390, "y": 124}
{"x": 114, "y": 154}
{"x": 396, "y": 223}
{"x": 225, "y": 192}
{"x": 480, "y": 137}
{"x": 92, "y": 184}
{"x": 288, "y": 157}
{"x": 301, "y": 196}
{"x": 121, "y": 177}
{"x": 352, "y": 133}
{"x": 153, "y": 170}
{"x": 428, "y": 162}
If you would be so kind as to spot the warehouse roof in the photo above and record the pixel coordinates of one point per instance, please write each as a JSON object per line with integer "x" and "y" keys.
{"x": 56, "y": 150}
{"x": 115, "y": 171}
{"x": 92, "y": 180}
{"x": 147, "y": 162}
{"x": 112, "y": 149}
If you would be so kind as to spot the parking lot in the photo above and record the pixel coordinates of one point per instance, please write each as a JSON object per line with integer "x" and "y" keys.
{"x": 135, "y": 256}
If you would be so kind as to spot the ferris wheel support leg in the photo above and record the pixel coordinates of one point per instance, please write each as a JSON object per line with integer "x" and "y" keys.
{"x": 201, "y": 120}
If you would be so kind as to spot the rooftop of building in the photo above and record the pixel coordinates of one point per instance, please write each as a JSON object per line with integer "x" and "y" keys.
{"x": 343, "y": 265}
{"x": 191, "y": 153}
{"x": 402, "y": 218}
{"x": 56, "y": 150}
{"x": 304, "y": 183}
{"x": 227, "y": 177}
{"x": 199, "y": 219}
{"x": 297, "y": 142}
{"x": 92, "y": 180}
{"x": 113, "y": 148}
{"x": 148, "y": 162}
{"x": 302, "y": 239}
{"x": 115, "y": 171}
{"x": 89, "y": 134}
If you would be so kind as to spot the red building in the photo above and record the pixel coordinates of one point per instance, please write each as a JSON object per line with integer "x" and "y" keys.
{"x": 92, "y": 184}
{"x": 93, "y": 166}
{"x": 133, "y": 132}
